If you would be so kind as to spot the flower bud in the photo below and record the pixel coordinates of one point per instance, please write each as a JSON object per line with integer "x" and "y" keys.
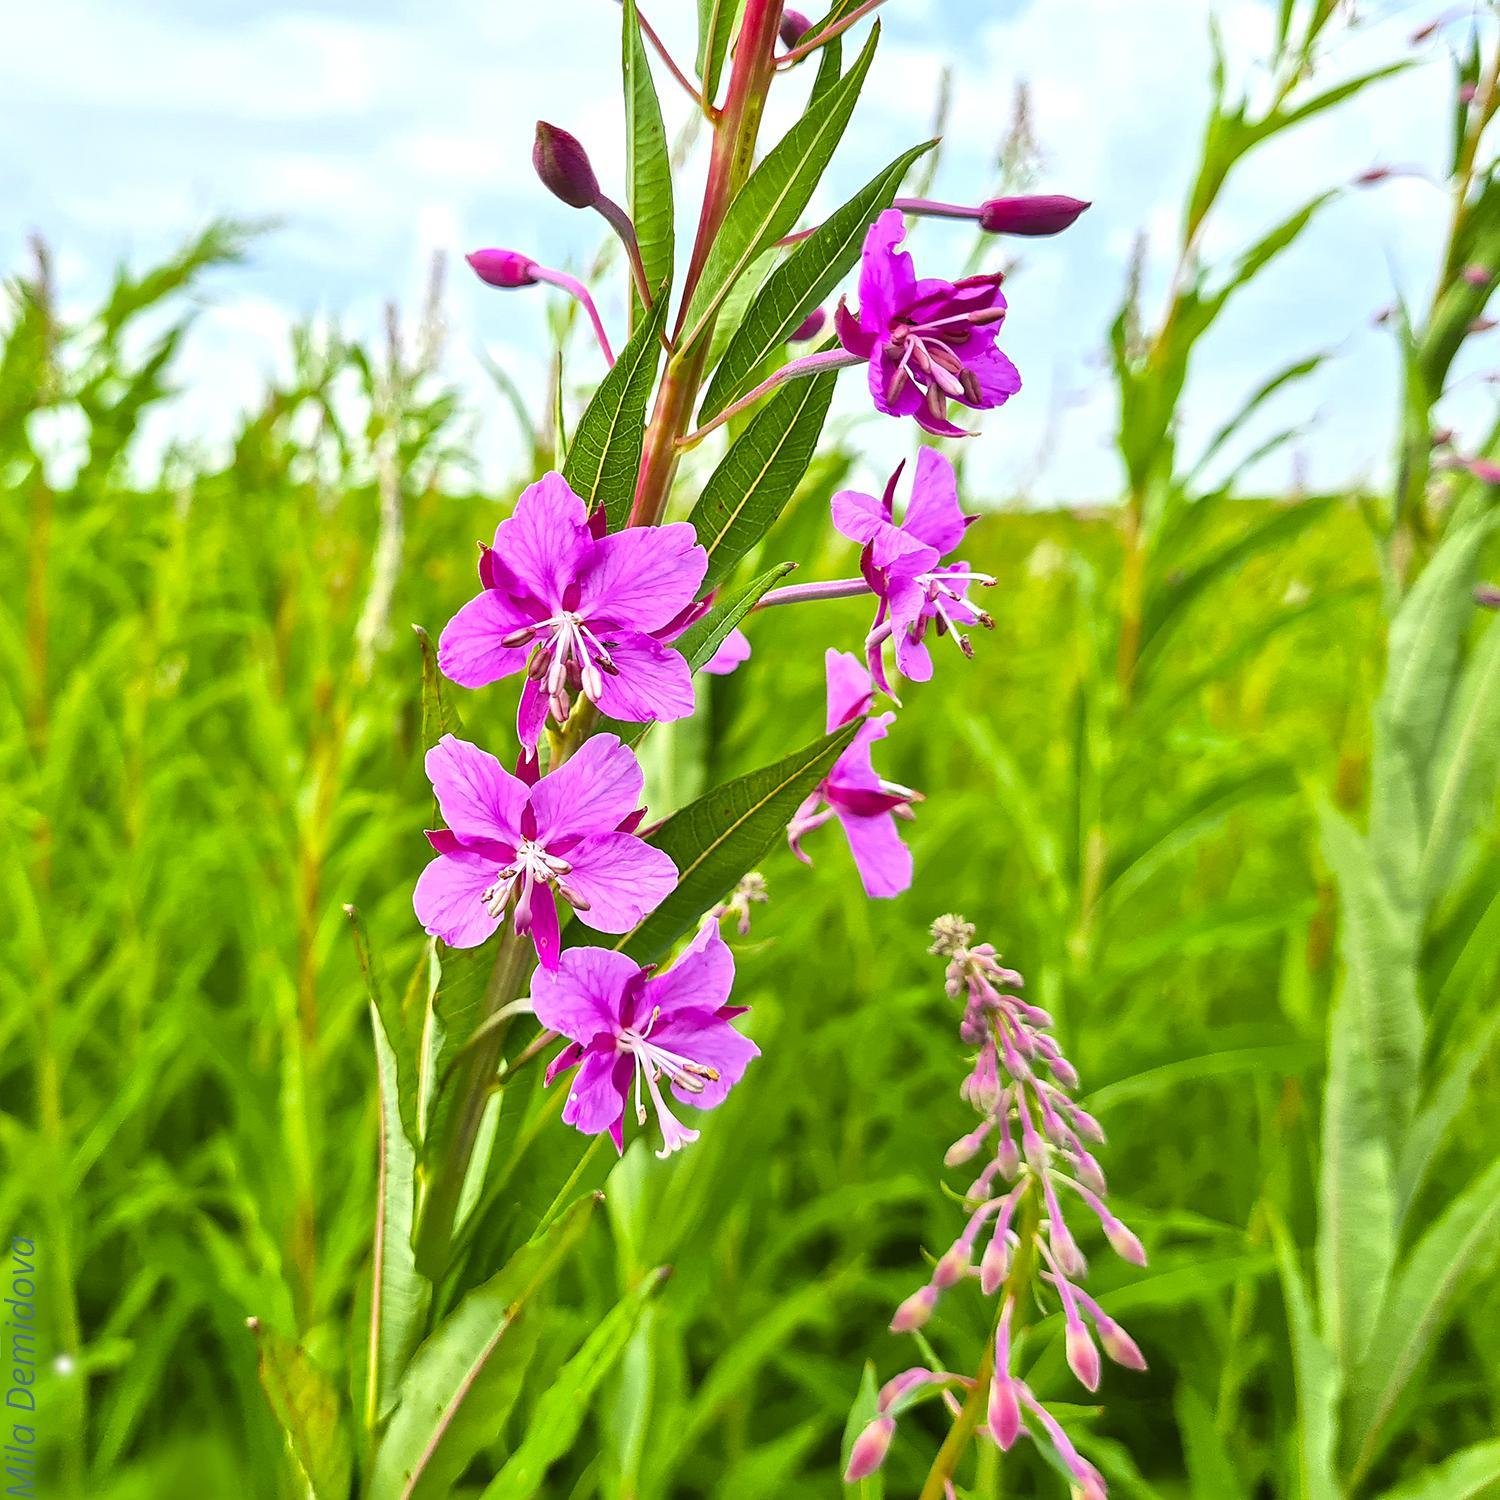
{"x": 810, "y": 327}
{"x": 1477, "y": 275}
{"x": 993, "y": 1266}
{"x": 1083, "y": 1357}
{"x": 1124, "y": 1243}
{"x": 1004, "y": 1415}
{"x": 794, "y": 26}
{"x": 1035, "y": 214}
{"x": 915, "y": 1311}
{"x": 1119, "y": 1345}
{"x": 949, "y": 1271}
{"x": 869, "y": 1449}
{"x": 900, "y": 1386}
{"x": 563, "y": 165}
{"x": 506, "y": 268}
{"x": 967, "y": 1146}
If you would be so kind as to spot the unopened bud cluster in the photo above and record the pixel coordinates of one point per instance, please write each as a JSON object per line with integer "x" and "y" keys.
{"x": 1036, "y": 1140}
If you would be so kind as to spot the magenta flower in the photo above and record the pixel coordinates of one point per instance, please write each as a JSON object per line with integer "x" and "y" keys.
{"x": 926, "y": 341}
{"x": 577, "y": 611}
{"x": 510, "y": 843}
{"x": 866, "y": 806}
{"x": 903, "y": 565}
{"x": 630, "y": 1027}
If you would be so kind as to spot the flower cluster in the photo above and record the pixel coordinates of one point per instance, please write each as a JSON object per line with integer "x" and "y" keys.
{"x": 1036, "y": 1139}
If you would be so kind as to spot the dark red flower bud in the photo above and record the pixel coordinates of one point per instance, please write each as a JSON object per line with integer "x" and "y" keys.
{"x": 810, "y": 327}
{"x": 507, "y": 268}
{"x": 563, "y": 165}
{"x": 1037, "y": 214}
{"x": 794, "y": 26}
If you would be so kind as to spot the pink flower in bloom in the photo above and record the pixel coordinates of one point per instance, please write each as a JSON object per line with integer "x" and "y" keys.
{"x": 927, "y": 342}
{"x": 628, "y": 1027}
{"x": 903, "y": 565}
{"x": 509, "y": 843}
{"x": 866, "y": 806}
{"x": 577, "y": 611}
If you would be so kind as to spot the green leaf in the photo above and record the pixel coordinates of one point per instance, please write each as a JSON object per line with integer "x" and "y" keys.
{"x": 605, "y": 456}
{"x": 801, "y": 282}
{"x": 439, "y": 717}
{"x": 559, "y": 1415}
{"x": 1458, "y": 1245}
{"x": 1470, "y": 1472}
{"x": 426, "y": 1447}
{"x": 777, "y": 192}
{"x": 306, "y": 1405}
{"x": 1316, "y": 1374}
{"x": 1211, "y": 1471}
{"x": 648, "y": 163}
{"x": 716, "y": 839}
{"x": 760, "y": 473}
{"x": 862, "y": 1412}
{"x": 716, "y": 19}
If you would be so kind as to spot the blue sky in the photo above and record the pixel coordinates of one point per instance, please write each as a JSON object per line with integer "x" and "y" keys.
{"x": 377, "y": 133}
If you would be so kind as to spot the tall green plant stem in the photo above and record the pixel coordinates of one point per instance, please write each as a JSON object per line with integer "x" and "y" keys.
{"x": 736, "y": 129}
{"x": 476, "y": 1069}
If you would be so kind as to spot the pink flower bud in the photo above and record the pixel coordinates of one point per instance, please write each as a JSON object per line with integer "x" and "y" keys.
{"x": 794, "y": 26}
{"x": 900, "y": 1386}
{"x": 1119, "y": 1345}
{"x": 506, "y": 268}
{"x": 1467, "y": 94}
{"x": 949, "y": 1271}
{"x": 1477, "y": 275}
{"x": 1124, "y": 1243}
{"x": 1090, "y": 1483}
{"x": 1004, "y": 1414}
{"x": 967, "y": 1146}
{"x": 1083, "y": 1357}
{"x": 563, "y": 165}
{"x": 993, "y": 1266}
{"x": 869, "y": 1449}
{"x": 810, "y": 327}
{"x": 1037, "y": 214}
{"x": 916, "y": 1310}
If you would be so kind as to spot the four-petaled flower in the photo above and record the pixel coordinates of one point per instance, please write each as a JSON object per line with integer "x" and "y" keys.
{"x": 578, "y": 611}
{"x": 866, "y": 806}
{"x": 510, "y": 844}
{"x": 903, "y": 565}
{"x": 628, "y": 1027}
{"x": 926, "y": 341}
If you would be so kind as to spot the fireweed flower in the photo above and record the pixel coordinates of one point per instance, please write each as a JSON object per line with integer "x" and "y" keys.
{"x": 516, "y": 846}
{"x": 628, "y": 1028}
{"x": 852, "y": 792}
{"x": 577, "y": 611}
{"x": 927, "y": 342}
{"x": 903, "y": 566}
{"x": 1038, "y": 1161}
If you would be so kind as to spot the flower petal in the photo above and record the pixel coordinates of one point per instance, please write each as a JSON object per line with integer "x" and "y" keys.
{"x": 703, "y": 1037}
{"x": 883, "y": 861}
{"x": 621, "y": 878}
{"x": 998, "y": 379}
{"x": 907, "y": 401}
{"x": 581, "y": 997}
{"x": 591, "y": 792}
{"x": 887, "y": 280}
{"x": 477, "y": 796}
{"x": 850, "y": 691}
{"x": 700, "y": 979}
{"x": 597, "y": 1099}
{"x": 545, "y": 932}
{"x": 933, "y": 516}
{"x": 858, "y": 516}
{"x": 469, "y": 649}
{"x": 642, "y": 577}
{"x": 539, "y": 548}
{"x": 651, "y": 682}
{"x": 531, "y": 714}
{"x": 447, "y": 898}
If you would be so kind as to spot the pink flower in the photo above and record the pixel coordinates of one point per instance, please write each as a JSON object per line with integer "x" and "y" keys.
{"x": 629, "y": 1026}
{"x": 508, "y": 842}
{"x": 926, "y": 341}
{"x": 577, "y": 611}
{"x": 851, "y": 792}
{"x": 903, "y": 565}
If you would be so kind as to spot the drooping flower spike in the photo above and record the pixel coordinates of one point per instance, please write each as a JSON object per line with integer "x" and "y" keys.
{"x": 517, "y": 847}
{"x": 903, "y": 565}
{"x": 927, "y": 342}
{"x": 578, "y": 612}
{"x": 866, "y": 806}
{"x": 628, "y": 1028}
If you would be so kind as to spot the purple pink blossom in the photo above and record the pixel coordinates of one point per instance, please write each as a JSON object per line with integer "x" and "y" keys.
{"x": 927, "y": 342}
{"x": 629, "y": 1028}
{"x": 517, "y": 847}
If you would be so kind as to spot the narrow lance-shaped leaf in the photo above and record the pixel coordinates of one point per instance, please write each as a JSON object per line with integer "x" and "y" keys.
{"x": 716, "y": 839}
{"x": 605, "y": 455}
{"x": 801, "y": 282}
{"x": 648, "y": 165}
{"x": 439, "y": 717}
{"x": 559, "y": 1415}
{"x": 759, "y": 474}
{"x": 424, "y": 1449}
{"x": 777, "y": 192}
{"x": 1466, "y": 1475}
{"x": 716, "y": 19}
{"x": 306, "y": 1404}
